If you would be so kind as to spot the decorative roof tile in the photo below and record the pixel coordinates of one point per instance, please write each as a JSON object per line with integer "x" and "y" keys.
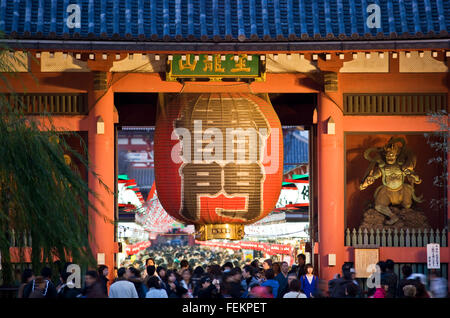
{"x": 224, "y": 20}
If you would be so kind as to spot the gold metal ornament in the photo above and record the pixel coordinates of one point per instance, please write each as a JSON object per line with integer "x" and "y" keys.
{"x": 206, "y": 232}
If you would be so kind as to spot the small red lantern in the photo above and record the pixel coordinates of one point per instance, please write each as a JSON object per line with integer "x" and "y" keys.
{"x": 218, "y": 161}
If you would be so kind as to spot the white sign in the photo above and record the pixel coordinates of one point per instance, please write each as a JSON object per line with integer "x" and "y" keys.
{"x": 294, "y": 196}
{"x": 433, "y": 256}
{"x": 127, "y": 196}
{"x": 100, "y": 258}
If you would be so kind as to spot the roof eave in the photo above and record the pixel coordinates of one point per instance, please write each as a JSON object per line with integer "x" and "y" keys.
{"x": 139, "y": 46}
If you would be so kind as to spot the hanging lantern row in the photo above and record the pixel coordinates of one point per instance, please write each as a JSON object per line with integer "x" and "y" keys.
{"x": 271, "y": 249}
{"x": 136, "y": 248}
{"x": 153, "y": 217}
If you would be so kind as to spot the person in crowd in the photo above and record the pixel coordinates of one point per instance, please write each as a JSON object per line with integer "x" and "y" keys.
{"x": 255, "y": 264}
{"x": 271, "y": 282}
{"x": 134, "y": 276}
{"x": 208, "y": 289}
{"x": 248, "y": 278}
{"x": 186, "y": 281}
{"x": 309, "y": 281}
{"x": 267, "y": 264}
{"x": 355, "y": 283}
{"x": 92, "y": 286}
{"x": 184, "y": 264}
{"x": 216, "y": 272}
{"x": 409, "y": 291}
{"x": 406, "y": 272}
{"x": 438, "y": 285}
{"x": 276, "y": 268}
{"x": 258, "y": 291}
{"x": 161, "y": 274}
{"x": 381, "y": 290}
{"x": 227, "y": 267}
{"x": 282, "y": 279}
{"x": 382, "y": 268}
{"x": 103, "y": 277}
{"x": 39, "y": 289}
{"x": 421, "y": 290}
{"x": 391, "y": 278}
{"x": 301, "y": 260}
{"x": 122, "y": 288}
{"x": 337, "y": 287}
{"x": 149, "y": 262}
{"x": 295, "y": 290}
{"x": 249, "y": 294}
{"x": 49, "y": 290}
{"x": 171, "y": 284}
{"x": 352, "y": 290}
{"x": 155, "y": 289}
{"x": 149, "y": 271}
{"x": 321, "y": 290}
{"x": 27, "y": 277}
{"x": 260, "y": 274}
{"x": 232, "y": 283}
{"x": 196, "y": 276}
{"x": 68, "y": 290}
{"x": 183, "y": 292}
{"x": 291, "y": 276}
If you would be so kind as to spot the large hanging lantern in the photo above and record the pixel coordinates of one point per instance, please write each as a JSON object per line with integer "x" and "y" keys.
{"x": 218, "y": 161}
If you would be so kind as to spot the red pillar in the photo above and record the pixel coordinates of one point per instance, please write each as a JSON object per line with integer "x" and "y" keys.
{"x": 101, "y": 155}
{"x": 330, "y": 186}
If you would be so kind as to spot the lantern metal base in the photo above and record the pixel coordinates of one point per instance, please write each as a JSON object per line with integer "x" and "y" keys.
{"x": 205, "y": 232}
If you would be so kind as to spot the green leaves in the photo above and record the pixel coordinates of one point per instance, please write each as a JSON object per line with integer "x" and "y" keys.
{"x": 40, "y": 194}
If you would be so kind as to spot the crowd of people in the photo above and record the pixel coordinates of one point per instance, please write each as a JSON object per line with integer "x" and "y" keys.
{"x": 166, "y": 275}
{"x": 169, "y": 256}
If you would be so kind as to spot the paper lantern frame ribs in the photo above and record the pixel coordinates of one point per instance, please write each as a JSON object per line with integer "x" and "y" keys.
{"x": 218, "y": 161}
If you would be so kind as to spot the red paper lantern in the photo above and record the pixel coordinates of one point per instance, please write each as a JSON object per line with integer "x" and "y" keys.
{"x": 218, "y": 161}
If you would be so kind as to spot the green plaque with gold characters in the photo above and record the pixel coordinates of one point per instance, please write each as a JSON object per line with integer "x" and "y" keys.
{"x": 215, "y": 67}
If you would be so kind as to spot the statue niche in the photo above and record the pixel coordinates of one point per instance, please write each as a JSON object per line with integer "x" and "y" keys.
{"x": 394, "y": 163}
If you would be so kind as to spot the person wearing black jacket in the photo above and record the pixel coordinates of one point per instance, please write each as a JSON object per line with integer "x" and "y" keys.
{"x": 92, "y": 287}
{"x": 391, "y": 279}
{"x": 134, "y": 276}
{"x": 172, "y": 285}
{"x": 50, "y": 291}
{"x": 196, "y": 277}
{"x": 232, "y": 283}
{"x": 282, "y": 279}
{"x": 338, "y": 287}
{"x": 301, "y": 262}
{"x": 207, "y": 290}
{"x": 102, "y": 277}
{"x": 406, "y": 271}
{"x": 66, "y": 291}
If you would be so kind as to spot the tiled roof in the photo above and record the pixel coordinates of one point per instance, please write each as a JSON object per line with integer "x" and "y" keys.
{"x": 295, "y": 148}
{"x": 225, "y": 20}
